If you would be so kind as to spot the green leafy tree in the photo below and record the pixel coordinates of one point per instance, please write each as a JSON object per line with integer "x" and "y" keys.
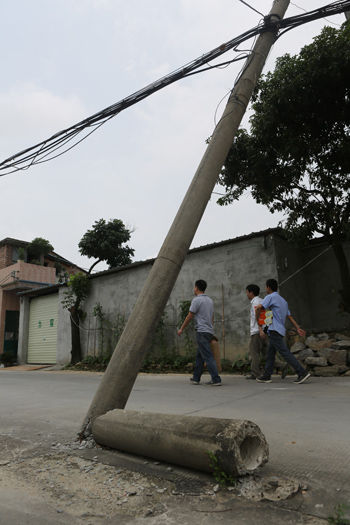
{"x": 78, "y": 289}
{"x": 104, "y": 242}
{"x": 38, "y": 248}
{"x": 21, "y": 254}
{"x": 296, "y": 157}
{"x": 184, "y": 308}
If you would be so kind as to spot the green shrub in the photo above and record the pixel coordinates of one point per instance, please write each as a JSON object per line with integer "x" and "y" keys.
{"x": 167, "y": 363}
{"x": 93, "y": 363}
{"x": 241, "y": 365}
{"x": 226, "y": 365}
{"x": 222, "y": 478}
{"x": 339, "y": 517}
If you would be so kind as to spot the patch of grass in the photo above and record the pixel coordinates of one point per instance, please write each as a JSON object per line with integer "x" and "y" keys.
{"x": 153, "y": 363}
{"x": 241, "y": 365}
{"x": 167, "y": 363}
{"x": 220, "y": 476}
{"x": 91, "y": 363}
{"x": 339, "y": 516}
{"x": 159, "y": 362}
{"x": 226, "y": 365}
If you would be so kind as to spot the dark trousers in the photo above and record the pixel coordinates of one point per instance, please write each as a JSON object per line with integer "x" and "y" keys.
{"x": 205, "y": 355}
{"x": 277, "y": 344}
{"x": 257, "y": 350}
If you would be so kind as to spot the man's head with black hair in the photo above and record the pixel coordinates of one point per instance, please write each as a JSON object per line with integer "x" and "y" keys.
{"x": 252, "y": 290}
{"x": 271, "y": 285}
{"x": 201, "y": 285}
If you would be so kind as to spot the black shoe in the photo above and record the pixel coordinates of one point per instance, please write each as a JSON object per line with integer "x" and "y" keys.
{"x": 303, "y": 377}
{"x": 214, "y": 383}
{"x": 264, "y": 379}
{"x": 284, "y": 371}
{"x": 250, "y": 377}
{"x": 194, "y": 382}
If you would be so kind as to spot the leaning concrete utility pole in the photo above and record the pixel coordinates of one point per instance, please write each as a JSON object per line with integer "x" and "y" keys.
{"x": 121, "y": 373}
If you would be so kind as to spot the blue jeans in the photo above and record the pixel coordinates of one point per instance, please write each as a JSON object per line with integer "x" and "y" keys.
{"x": 277, "y": 344}
{"x": 204, "y": 355}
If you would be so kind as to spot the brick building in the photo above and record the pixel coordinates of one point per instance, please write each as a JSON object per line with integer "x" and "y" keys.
{"x": 19, "y": 273}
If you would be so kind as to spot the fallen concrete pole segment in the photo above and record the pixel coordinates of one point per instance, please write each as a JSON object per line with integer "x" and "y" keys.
{"x": 238, "y": 445}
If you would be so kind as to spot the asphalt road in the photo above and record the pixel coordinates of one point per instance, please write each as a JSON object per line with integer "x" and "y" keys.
{"x": 307, "y": 426}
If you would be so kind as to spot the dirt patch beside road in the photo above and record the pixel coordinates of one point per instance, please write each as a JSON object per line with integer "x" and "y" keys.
{"x": 86, "y": 489}
{"x": 80, "y": 490}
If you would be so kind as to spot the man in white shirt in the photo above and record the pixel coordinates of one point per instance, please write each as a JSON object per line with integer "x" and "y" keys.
{"x": 257, "y": 336}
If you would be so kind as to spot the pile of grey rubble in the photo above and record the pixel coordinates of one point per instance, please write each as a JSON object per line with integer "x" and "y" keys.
{"x": 324, "y": 355}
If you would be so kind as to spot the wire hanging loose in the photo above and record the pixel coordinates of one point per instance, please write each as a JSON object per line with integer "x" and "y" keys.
{"x": 251, "y": 7}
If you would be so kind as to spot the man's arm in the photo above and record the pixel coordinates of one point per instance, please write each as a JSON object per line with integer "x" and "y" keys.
{"x": 258, "y": 311}
{"x": 257, "y": 315}
{"x": 300, "y": 331}
{"x": 188, "y": 319}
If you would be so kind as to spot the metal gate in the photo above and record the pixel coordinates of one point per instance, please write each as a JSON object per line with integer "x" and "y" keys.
{"x": 42, "y": 338}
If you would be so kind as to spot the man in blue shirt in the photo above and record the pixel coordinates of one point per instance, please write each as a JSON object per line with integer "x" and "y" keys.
{"x": 276, "y": 331}
{"x": 202, "y": 310}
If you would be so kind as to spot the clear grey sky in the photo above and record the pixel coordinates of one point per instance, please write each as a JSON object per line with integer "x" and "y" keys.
{"x": 62, "y": 61}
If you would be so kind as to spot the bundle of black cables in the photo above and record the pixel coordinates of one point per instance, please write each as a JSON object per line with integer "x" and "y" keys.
{"x": 61, "y": 142}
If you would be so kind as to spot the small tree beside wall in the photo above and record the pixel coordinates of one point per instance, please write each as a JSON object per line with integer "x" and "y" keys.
{"x": 78, "y": 289}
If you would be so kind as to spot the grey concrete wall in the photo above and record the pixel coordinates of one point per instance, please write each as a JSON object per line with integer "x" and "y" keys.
{"x": 227, "y": 268}
{"x": 324, "y": 284}
{"x": 312, "y": 294}
{"x": 116, "y": 292}
{"x": 295, "y": 290}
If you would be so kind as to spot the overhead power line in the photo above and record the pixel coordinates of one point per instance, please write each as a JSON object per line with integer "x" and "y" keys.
{"x": 64, "y": 140}
{"x": 305, "y": 11}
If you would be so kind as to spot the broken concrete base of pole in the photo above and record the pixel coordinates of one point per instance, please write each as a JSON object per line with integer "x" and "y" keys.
{"x": 238, "y": 445}
{"x": 270, "y": 488}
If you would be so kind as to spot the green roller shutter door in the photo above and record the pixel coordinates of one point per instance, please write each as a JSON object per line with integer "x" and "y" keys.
{"x": 42, "y": 338}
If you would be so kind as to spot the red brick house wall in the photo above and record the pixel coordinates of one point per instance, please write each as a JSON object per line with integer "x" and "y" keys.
{"x": 5, "y": 256}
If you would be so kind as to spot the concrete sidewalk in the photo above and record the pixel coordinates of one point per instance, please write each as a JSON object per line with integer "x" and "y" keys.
{"x": 307, "y": 427}
{"x": 24, "y": 368}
